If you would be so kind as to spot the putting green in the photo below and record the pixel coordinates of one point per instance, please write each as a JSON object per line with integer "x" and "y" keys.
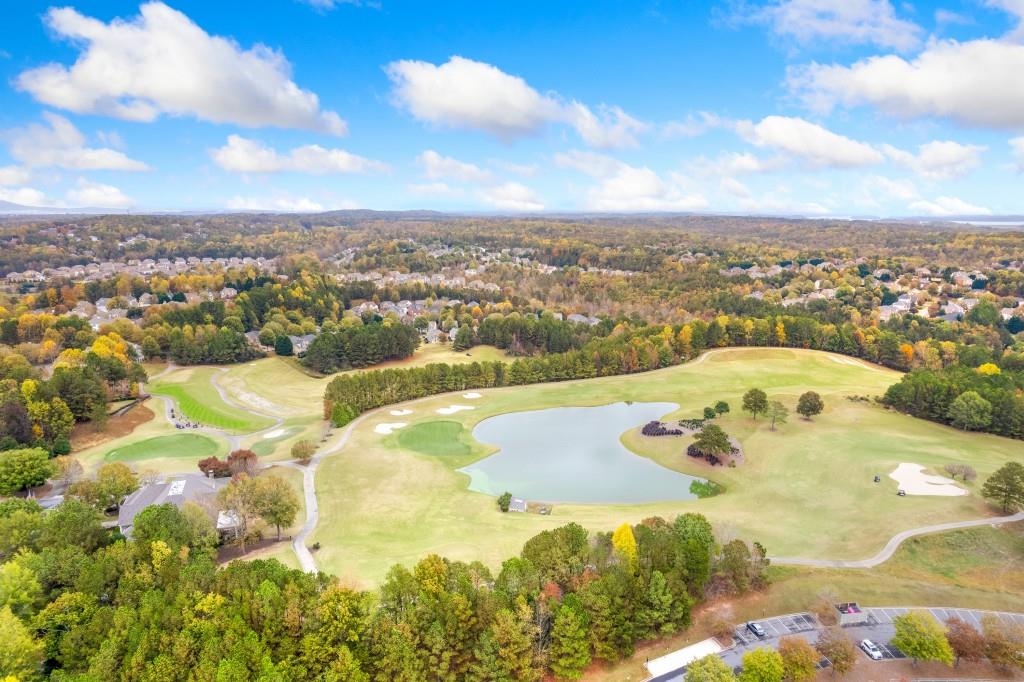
{"x": 181, "y": 445}
{"x": 805, "y": 489}
{"x": 440, "y": 438}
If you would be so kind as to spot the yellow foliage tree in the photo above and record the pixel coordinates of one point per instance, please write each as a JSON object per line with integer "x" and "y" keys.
{"x": 989, "y": 369}
{"x": 624, "y": 544}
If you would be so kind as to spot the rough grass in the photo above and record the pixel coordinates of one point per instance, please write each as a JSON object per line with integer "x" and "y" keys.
{"x": 805, "y": 490}
{"x": 180, "y": 445}
{"x": 199, "y": 401}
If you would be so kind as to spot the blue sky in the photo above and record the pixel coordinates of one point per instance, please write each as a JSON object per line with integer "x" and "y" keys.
{"x": 811, "y": 107}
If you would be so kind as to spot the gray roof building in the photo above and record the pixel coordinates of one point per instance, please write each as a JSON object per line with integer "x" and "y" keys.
{"x": 177, "y": 490}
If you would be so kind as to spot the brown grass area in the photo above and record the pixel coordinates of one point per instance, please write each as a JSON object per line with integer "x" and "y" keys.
{"x": 85, "y": 436}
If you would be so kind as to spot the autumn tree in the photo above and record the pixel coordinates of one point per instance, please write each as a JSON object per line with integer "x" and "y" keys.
{"x": 276, "y": 501}
{"x": 809, "y": 404}
{"x": 24, "y": 468}
{"x": 799, "y": 660}
{"x": 920, "y": 636}
{"x": 710, "y": 668}
{"x": 21, "y": 656}
{"x": 303, "y": 451}
{"x": 755, "y": 401}
{"x": 1004, "y": 642}
{"x": 834, "y": 645}
{"x": 965, "y": 640}
{"x": 777, "y": 412}
{"x": 762, "y": 665}
{"x": 624, "y": 544}
{"x": 243, "y": 462}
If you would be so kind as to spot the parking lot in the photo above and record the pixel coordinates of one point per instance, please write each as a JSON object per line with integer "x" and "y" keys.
{"x": 878, "y": 628}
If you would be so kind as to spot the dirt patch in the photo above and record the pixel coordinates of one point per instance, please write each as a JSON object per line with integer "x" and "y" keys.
{"x": 227, "y": 553}
{"x": 85, "y": 436}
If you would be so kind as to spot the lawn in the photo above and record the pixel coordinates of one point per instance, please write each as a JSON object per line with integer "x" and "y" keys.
{"x": 180, "y": 445}
{"x": 440, "y": 439}
{"x": 197, "y": 399}
{"x": 805, "y": 490}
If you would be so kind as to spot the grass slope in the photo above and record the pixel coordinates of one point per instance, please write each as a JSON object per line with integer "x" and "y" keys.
{"x": 806, "y": 489}
{"x": 199, "y": 401}
{"x": 441, "y": 438}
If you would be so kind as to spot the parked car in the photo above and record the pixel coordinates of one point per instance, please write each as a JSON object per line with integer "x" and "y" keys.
{"x": 871, "y": 649}
{"x": 756, "y": 628}
{"x": 901, "y": 492}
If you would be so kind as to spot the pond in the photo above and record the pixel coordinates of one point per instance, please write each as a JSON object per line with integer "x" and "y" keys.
{"x": 573, "y": 454}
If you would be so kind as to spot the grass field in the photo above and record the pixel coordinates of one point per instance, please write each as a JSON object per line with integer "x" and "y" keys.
{"x": 440, "y": 439}
{"x": 180, "y": 445}
{"x": 199, "y": 401}
{"x": 805, "y": 489}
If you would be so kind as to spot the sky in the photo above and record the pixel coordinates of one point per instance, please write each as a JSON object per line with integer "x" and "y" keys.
{"x": 797, "y": 107}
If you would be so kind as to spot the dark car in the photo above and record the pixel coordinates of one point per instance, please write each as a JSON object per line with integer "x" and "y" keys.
{"x": 756, "y": 629}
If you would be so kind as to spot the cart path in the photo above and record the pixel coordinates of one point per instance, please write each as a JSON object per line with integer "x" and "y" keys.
{"x": 896, "y": 541}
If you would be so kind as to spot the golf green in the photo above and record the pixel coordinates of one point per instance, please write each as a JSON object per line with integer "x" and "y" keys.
{"x": 179, "y": 445}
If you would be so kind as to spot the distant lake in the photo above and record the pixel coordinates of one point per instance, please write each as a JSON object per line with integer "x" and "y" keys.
{"x": 573, "y": 454}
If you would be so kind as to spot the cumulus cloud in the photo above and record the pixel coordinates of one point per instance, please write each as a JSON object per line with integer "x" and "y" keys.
{"x": 938, "y": 160}
{"x": 735, "y": 187}
{"x": 436, "y": 167}
{"x": 975, "y": 83}
{"x": 736, "y": 163}
{"x": 161, "y": 62}
{"x": 632, "y": 188}
{"x": 284, "y": 204}
{"x": 14, "y": 175}
{"x": 948, "y": 206}
{"x": 98, "y": 195}
{"x": 693, "y": 125}
{"x": 809, "y": 142}
{"x": 467, "y": 94}
{"x": 512, "y": 196}
{"x": 24, "y": 196}
{"x": 434, "y": 190}
{"x": 857, "y": 22}
{"x": 244, "y": 155}
{"x": 589, "y": 163}
{"x": 1017, "y": 149}
{"x": 60, "y": 143}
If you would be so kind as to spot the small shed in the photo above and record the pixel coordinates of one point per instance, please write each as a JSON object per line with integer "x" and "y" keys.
{"x": 850, "y": 613}
{"x": 517, "y": 504}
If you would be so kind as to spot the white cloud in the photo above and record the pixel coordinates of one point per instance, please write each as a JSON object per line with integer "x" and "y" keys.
{"x": 527, "y": 170}
{"x": 975, "y": 82}
{"x": 437, "y": 167}
{"x": 736, "y": 163}
{"x": 901, "y": 189}
{"x": 948, "y": 206}
{"x": 98, "y": 195}
{"x": 735, "y": 187}
{"x": 162, "y": 63}
{"x": 467, "y": 94}
{"x": 1014, "y": 7}
{"x": 589, "y": 163}
{"x": 854, "y": 22}
{"x": 61, "y": 144}
{"x": 285, "y": 204}
{"x": 938, "y": 160}
{"x": 808, "y": 141}
{"x": 779, "y": 204}
{"x": 693, "y": 125}
{"x": 25, "y": 196}
{"x": 1017, "y": 148}
{"x": 244, "y": 155}
{"x": 14, "y": 175}
{"x": 631, "y": 188}
{"x": 512, "y": 196}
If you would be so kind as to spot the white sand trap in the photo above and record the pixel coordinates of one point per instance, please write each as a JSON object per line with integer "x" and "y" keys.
{"x": 400, "y": 413}
{"x": 273, "y": 434}
{"x": 471, "y": 396}
{"x": 385, "y": 429}
{"x": 912, "y": 479}
{"x": 452, "y": 409}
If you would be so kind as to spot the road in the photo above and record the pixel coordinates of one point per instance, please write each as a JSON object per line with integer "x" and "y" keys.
{"x": 895, "y": 542}
{"x": 879, "y": 630}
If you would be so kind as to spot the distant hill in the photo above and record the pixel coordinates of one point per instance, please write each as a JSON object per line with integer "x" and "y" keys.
{"x": 8, "y": 207}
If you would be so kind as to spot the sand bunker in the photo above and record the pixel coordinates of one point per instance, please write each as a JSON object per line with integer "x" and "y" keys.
{"x": 273, "y": 434}
{"x": 471, "y": 396}
{"x": 452, "y": 409}
{"x": 385, "y": 429}
{"x": 400, "y": 413}
{"x": 912, "y": 480}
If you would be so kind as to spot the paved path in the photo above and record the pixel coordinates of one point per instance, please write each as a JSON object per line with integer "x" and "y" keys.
{"x": 896, "y": 541}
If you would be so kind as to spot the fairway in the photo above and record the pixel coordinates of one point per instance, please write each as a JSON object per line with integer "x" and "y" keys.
{"x": 441, "y": 438}
{"x": 181, "y": 445}
{"x": 197, "y": 399}
{"x": 805, "y": 490}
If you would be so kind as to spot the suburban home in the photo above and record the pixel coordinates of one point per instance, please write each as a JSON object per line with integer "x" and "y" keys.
{"x": 517, "y": 504}
{"x": 177, "y": 490}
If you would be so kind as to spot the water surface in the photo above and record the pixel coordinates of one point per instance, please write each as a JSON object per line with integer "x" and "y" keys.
{"x": 573, "y": 454}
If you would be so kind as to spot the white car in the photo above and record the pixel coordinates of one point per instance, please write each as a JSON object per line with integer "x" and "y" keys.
{"x": 871, "y": 649}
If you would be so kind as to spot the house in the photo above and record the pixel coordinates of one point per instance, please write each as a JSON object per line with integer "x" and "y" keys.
{"x": 177, "y": 490}
{"x": 300, "y": 344}
{"x": 517, "y": 504}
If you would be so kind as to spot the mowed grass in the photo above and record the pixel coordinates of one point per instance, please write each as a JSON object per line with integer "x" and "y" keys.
{"x": 198, "y": 400}
{"x": 805, "y": 490}
{"x": 180, "y": 445}
{"x": 440, "y": 438}
{"x": 281, "y": 387}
